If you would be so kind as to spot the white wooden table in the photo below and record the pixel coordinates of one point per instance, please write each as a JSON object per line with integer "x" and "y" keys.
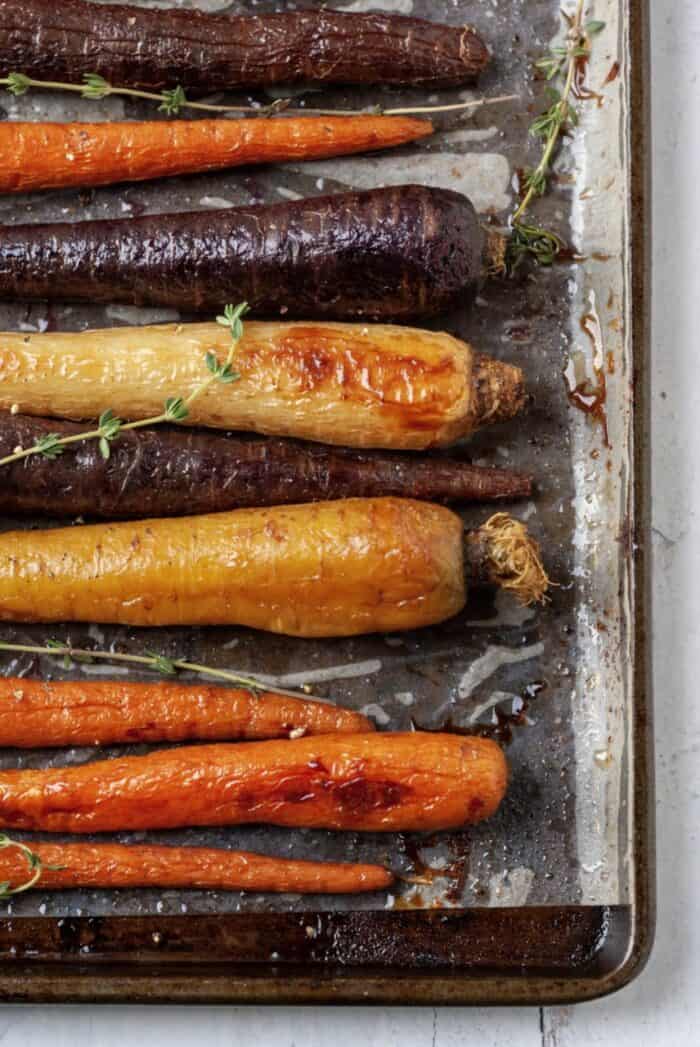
{"x": 663, "y": 1006}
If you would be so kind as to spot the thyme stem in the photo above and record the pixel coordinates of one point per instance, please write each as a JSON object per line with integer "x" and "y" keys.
{"x": 576, "y": 35}
{"x": 159, "y": 663}
{"x": 175, "y": 100}
{"x": 527, "y": 238}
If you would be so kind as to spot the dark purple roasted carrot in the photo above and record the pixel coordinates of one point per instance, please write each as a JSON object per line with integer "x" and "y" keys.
{"x": 389, "y": 254}
{"x": 106, "y": 865}
{"x": 153, "y": 49}
{"x": 161, "y": 472}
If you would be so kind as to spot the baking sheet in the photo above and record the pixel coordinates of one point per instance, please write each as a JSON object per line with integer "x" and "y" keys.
{"x": 563, "y": 834}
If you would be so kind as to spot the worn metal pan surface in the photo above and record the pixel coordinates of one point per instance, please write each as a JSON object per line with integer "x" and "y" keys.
{"x": 553, "y": 898}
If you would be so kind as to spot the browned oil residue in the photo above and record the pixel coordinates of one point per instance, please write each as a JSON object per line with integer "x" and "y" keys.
{"x": 412, "y": 849}
{"x": 455, "y": 872}
{"x": 613, "y": 74}
{"x": 579, "y": 87}
{"x": 590, "y": 396}
{"x": 414, "y": 900}
{"x": 501, "y": 727}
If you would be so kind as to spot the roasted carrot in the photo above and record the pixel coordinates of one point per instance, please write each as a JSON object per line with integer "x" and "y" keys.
{"x": 362, "y": 386}
{"x": 392, "y": 254}
{"x": 155, "y": 48}
{"x": 54, "y": 156}
{"x": 143, "y": 474}
{"x": 373, "y": 782}
{"x": 49, "y": 713}
{"x": 340, "y": 568}
{"x": 105, "y": 865}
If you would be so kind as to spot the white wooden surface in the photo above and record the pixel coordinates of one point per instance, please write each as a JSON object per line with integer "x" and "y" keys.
{"x": 663, "y": 1006}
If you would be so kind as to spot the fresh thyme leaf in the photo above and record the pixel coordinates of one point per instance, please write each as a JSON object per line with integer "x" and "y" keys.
{"x": 96, "y": 87}
{"x": 210, "y": 359}
{"x": 532, "y": 241}
{"x": 109, "y": 426}
{"x": 594, "y": 27}
{"x": 18, "y": 84}
{"x": 175, "y": 409}
{"x": 535, "y": 183}
{"x": 163, "y": 665}
{"x": 173, "y": 101}
{"x": 60, "y": 648}
{"x": 550, "y": 66}
{"x": 49, "y": 446}
{"x": 232, "y": 318}
{"x": 227, "y": 375}
{"x": 33, "y": 861}
{"x": 105, "y": 449}
{"x": 69, "y": 655}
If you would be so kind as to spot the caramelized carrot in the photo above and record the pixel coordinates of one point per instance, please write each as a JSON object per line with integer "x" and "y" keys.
{"x": 359, "y": 565}
{"x": 374, "y": 782}
{"x": 116, "y": 865}
{"x": 358, "y": 386}
{"x": 50, "y": 713}
{"x": 54, "y": 156}
{"x": 323, "y": 569}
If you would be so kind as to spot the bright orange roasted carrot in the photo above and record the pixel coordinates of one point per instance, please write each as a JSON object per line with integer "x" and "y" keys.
{"x": 374, "y": 782}
{"x": 117, "y": 865}
{"x": 48, "y": 713}
{"x": 56, "y": 155}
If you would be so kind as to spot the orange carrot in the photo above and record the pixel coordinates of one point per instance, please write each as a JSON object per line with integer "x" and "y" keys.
{"x": 46, "y": 713}
{"x": 118, "y": 865}
{"x": 360, "y": 782}
{"x": 53, "y": 156}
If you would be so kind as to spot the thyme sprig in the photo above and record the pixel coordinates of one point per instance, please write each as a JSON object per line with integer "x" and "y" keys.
{"x": 174, "y": 100}
{"x": 36, "y": 867}
{"x": 68, "y": 654}
{"x": 528, "y": 239}
{"x": 176, "y": 408}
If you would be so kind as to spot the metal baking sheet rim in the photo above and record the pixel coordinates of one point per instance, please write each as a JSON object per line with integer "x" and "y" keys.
{"x": 625, "y": 932}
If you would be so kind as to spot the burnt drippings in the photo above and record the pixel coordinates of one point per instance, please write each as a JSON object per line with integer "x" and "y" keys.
{"x": 454, "y": 870}
{"x": 590, "y": 395}
{"x": 503, "y": 724}
{"x": 612, "y": 74}
{"x": 579, "y": 87}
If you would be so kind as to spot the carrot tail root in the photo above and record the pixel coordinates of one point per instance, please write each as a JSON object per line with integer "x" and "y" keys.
{"x": 513, "y": 559}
